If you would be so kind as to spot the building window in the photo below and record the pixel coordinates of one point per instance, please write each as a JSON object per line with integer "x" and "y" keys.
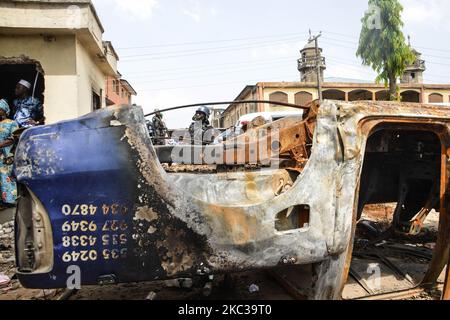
{"x": 435, "y": 98}
{"x": 303, "y": 98}
{"x": 279, "y": 97}
{"x": 14, "y": 69}
{"x": 96, "y": 101}
{"x": 334, "y": 95}
{"x": 359, "y": 95}
{"x": 410, "y": 96}
{"x": 382, "y": 95}
{"x": 116, "y": 87}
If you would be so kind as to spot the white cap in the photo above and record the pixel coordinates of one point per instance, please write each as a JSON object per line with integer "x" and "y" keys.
{"x": 25, "y": 83}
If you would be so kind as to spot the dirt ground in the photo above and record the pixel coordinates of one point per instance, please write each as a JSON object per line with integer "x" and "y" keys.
{"x": 413, "y": 269}
{"x": 256, "y": 285}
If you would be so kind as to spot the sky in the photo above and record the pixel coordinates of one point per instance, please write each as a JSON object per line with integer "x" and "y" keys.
{"x": 177, "y": 52}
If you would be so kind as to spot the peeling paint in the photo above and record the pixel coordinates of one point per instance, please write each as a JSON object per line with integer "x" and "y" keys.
{"x": 146, "y": 213}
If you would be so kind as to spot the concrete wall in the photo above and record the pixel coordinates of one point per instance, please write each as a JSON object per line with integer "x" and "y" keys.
{"x": 56, "y": 56}
{"x": 90, "y": 78}
{"x": 30, "y": 17}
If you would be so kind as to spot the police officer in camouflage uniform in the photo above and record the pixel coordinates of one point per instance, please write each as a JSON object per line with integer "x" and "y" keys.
{"x": 200, "y": 126}
{"x": 159, "y": 129}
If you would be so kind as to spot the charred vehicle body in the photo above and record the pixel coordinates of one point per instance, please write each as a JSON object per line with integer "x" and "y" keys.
{"x": 94, "y": 193}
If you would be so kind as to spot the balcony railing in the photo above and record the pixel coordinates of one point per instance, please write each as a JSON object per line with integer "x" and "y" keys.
{"x": 310, "y": 62}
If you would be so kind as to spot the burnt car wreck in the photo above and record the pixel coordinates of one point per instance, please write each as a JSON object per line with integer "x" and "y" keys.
{"x": 95, "y": 193}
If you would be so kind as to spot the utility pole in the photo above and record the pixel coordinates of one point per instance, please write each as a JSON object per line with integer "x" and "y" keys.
{"x": 318, "y": 61}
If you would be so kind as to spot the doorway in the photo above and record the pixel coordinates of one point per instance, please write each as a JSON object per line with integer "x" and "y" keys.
{"x": 13, "y": 70}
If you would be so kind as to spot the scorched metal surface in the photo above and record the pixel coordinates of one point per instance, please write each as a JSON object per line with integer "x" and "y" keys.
{"x": 95, "y": 195}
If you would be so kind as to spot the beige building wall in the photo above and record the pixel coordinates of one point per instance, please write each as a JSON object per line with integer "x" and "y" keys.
{"x": 70, "y": 73}
{"x": 90, "y": 78}
{"x": 61, "y": 103}
{"x": 57, "y": 57}
{"x": 26, "y": 16}
{"x": 348, "y": 91}
{"x": 445, "y": 95}
{"x": 291, "y": 92}
{"x": 66, "y": 39}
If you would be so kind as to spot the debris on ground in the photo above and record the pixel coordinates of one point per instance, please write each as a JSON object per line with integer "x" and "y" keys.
{"x": 7, "y": 235}
{"x": 7, "y": 257}
{"x": 402, "y": 260}
{"x": 370, "y": 227}
{"x": 253, "y": 288}
{"x": 207, "y": 289}
{"x": 430, "y": 246}
{"x": 4, "y": 281}
{"x": 46, "y": 294}
{"x": 172, "y": 283}
{"x": 151, "y": 296}
{"x": 185, "y": 283}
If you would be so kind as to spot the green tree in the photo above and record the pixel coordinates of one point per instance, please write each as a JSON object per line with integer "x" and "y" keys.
{"x": 382, "y": 44}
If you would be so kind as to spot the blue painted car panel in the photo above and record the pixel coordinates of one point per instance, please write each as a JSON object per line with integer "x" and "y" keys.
{"x": 82, "y": 163}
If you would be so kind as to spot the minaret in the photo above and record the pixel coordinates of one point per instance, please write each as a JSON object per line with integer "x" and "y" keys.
{"x": 307, "y": 64}
{"x": 414, "y": 73}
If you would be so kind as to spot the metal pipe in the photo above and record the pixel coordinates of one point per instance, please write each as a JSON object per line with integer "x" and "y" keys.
{"x": 35, "y": 83}
{"x": 283, "y": 104}
{"x": 67, "y": 294}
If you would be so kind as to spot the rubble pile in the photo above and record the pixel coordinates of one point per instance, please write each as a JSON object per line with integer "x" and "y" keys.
{"x": 7, "y": 260}
{"x": 7, "y": 235}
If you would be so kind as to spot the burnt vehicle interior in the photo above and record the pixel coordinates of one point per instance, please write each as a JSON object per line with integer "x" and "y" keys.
{"x": 399, "y": 193}
{"x": 402, "y": 167}
{"x": 399, "y": 196}
{"x": 288, "y": 142}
